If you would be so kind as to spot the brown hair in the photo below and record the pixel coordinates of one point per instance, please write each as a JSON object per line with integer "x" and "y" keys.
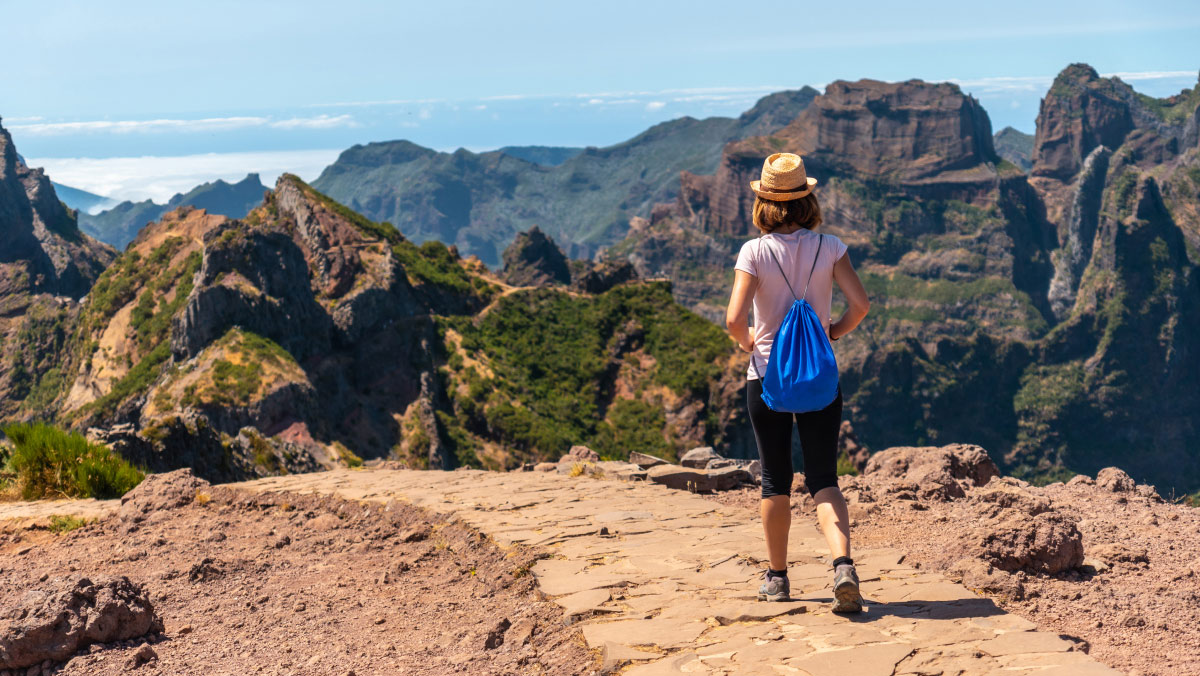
{"x": 769, "y": 215}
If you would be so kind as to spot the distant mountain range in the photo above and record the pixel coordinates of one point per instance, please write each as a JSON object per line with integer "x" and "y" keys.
{"x": 120, "y": 224}
{"x": 584, "y": 199}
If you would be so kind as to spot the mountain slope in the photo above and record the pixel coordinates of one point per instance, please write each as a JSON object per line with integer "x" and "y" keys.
{"x": 82, "y": 200}
{"x": 119, "y": 224}
{"x": 1014, "y": 146}
{"x": 306, "y": 336}
{"x": 478, "y": 202}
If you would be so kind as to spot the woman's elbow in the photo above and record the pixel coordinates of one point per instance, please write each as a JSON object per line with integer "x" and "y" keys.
{"x": 864, "y": 306}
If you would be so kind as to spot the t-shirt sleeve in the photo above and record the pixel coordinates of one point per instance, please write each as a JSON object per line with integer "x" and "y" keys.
{"x": 839, "y": 249}
{"x": 745, "y": 259}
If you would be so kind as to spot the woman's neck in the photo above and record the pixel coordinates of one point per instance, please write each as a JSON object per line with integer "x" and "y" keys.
{"x": 787, "y": 230}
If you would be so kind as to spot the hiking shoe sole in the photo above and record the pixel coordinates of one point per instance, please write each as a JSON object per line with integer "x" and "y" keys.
{"x": 782, "y": 596}
{"x": 847, "y": 597}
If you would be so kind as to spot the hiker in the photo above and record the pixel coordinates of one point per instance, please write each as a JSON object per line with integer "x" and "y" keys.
{"x": 789, "y": 261}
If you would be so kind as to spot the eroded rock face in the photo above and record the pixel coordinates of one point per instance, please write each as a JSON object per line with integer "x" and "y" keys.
{"x": 904, "y": 130}
{"x": 53, "y": 625}
{"x": 533, "y": 259}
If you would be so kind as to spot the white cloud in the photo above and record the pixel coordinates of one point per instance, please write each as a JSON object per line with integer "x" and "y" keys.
{"x": 1040, "y": 83}
{"x": 481, "y": 107}
{"x": 425, "y": 114}
{"x": 318, "y": 122}
{"x": 20, "y": 120}
{"x": 595, "y": 101}
{"x": 208, "y": 124}
{"x": 160, "y": 177}
{"x": 655, "y": 105}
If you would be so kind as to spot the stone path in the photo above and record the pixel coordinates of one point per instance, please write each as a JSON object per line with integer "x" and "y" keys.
{"x": 663, "y": 581}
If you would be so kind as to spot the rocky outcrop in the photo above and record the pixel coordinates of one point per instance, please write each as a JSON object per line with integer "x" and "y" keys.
{"x": 1003, "y": 525}
{"x": 533, "y": 259}
{"x": 54, "y": 624}
{"x": 168, "y": 490}
{"x": 601, "y": 277}
{"x": 41, "y": 247}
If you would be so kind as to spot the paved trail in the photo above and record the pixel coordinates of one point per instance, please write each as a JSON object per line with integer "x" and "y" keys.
{"x": 664, "y": 580}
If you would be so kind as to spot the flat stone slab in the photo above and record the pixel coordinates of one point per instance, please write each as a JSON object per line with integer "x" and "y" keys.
{"x": 38, "y": 513}
{"x": 663, "y": 581}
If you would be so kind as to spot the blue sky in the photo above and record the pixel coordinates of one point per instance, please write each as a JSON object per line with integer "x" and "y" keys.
{"x": 216, "y": 89}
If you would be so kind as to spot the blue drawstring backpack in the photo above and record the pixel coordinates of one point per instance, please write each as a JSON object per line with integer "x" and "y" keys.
{"x": 802, "y": 373}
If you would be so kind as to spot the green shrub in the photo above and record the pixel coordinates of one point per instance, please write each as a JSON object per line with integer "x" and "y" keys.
{"x": 65, "y": 523}
{"x": 844, "y": 466}
{"x": 49, "y": 462}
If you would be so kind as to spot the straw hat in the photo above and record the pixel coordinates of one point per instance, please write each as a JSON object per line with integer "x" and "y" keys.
{"x": 783, "y": 179}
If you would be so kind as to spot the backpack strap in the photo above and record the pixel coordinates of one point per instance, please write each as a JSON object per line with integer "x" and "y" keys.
{"x": 820, "y": 241}
{"x": 785, "y": 279}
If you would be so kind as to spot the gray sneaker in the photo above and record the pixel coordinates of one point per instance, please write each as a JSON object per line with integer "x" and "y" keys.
{"x": 845, "y": 590}
{"x": 775, "y": 589}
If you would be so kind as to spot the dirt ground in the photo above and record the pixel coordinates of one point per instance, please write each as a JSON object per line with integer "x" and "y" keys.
{"x": 1141, "y": 615}
{"x": 289, "y": 584}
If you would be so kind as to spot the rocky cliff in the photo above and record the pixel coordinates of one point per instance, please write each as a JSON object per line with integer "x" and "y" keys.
{"x": 46, "y": 265}
{"x": 1041, "y": 315}
{"x": 479, "y": 201}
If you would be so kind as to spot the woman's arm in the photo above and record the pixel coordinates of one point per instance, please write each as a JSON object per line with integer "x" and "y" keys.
{"x": 744, "y": 285}
{"x": 857, "y": 302}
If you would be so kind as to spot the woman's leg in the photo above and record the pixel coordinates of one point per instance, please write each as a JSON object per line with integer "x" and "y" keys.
{"x": 773, "y": 434}
{"x": 819, "y": 432}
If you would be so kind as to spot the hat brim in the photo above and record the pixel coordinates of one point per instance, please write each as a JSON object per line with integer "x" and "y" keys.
{"x": 775, "y": 196}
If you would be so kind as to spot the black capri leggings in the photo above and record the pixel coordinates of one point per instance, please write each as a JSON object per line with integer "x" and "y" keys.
{"x": 818, "y": 441}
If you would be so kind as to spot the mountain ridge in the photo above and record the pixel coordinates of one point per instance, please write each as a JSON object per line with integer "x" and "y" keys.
{"x": 479, "y": 201}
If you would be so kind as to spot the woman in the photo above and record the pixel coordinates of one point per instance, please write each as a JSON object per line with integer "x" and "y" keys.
{"x": 787, "y": 213}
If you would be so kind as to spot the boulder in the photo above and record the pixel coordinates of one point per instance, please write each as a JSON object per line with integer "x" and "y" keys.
{"x": 545, "y": 467}
{"x": 581, "y": 454}
{"x": 937, "y": 473}
{"x": 1115, "y": 480}
{"x": 168, "y": 490}
{"x": 699, "y": 481}
{"x": 728, "y": 478}
{"x": 54, "y": 625}
{"x": 679, "y": 478}
{"x": 644, "y": 460}
{"x": 698, "y": 458}
{"x": 1047, "y": 543}
{"x": 720, "y": 463}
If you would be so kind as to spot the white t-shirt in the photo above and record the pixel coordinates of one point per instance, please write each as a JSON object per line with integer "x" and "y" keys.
{"x": 772, "y": 299}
